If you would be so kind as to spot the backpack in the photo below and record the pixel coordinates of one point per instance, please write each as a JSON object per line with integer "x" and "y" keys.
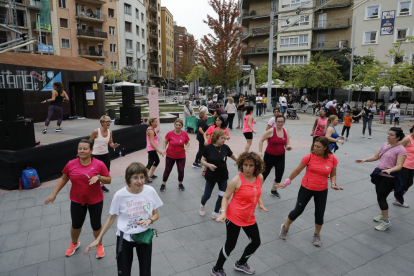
{"x": 30, "y": 179}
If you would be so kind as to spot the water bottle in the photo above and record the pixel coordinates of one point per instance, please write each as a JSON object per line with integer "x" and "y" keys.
{"x": 120, "y": 153}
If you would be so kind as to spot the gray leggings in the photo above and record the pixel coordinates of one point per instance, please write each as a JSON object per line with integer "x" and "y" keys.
{"x": 240, "y": 118}
{"x": 52, "y": 110}
{"x": 364, "y": 124}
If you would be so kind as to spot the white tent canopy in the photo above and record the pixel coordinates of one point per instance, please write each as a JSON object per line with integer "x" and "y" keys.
{"x": 125, "y": 83}
{"x": 278, "y": 84}
{"x": 185, "y": 86}
{"x": 396, "y": 88}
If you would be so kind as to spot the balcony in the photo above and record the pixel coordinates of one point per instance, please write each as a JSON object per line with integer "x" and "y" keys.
{"x": 86, "y": 53}
{"x": 154, "y": 61}
{"x": 256, "y": 14}
{"x": 341, "y": 23}
{"x": 153, "y": 34}
{"x": 45, "y": 28}
{"x": 329, "y": 45}
{"x": 86, "y": 16}
{"x": 153, "y": 48}
{"x": 98, "y": 2}
{"x": 334, "y": 3}
{"x": 258, "y": 50}
{"x": 154, "y": 75}
{"x": 152, "y": 21}
{"x": 152, "y": 7}
{"x": 95, "y": 35}
{"x": 34, "y": 4}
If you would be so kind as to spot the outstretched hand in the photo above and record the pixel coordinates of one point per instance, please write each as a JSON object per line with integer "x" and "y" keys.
{"x": 261, "y": 207}
{"x": 337, "y": 188}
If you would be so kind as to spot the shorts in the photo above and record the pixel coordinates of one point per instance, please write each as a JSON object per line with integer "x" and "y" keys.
{"x": 397, "y": 119}
{"x": 248, "y": 135}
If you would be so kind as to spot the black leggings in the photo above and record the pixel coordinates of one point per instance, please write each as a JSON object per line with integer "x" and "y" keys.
{"x": 407, "y": 177}
{"x": 105, "y": 158}
{"x": 169, "y": 164}
{"x": 278, "y": 161}
{"x": 209, "y": 189}
{"x": 366, "y": 120}
{"x": 304, "y": 197}
{"x": 153, "y": 159}
{"x": 232, "y": 236}
{"x": 384, "y": 187}
{"x": 201, "y": 148}
{"x": 78, "y": 214}
{"x": 230, "y": 119}
{"x": 125, "y": 258}
{"x": 347, "y": 128}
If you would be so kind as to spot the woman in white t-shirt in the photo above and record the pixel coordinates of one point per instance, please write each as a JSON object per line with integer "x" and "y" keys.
{"x": 136, "y": 207}
{"x": 259, "y": 105}
{"x": 283, "y": 103}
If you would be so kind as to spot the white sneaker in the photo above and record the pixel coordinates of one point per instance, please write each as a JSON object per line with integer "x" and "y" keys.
{"x": 215, "y": 215}
{"x": 346, "y": 138}
{"x": 383, "y": 226}
{"x": 369, "y": 137}
{"x": 363, "y": 135}
{"x": 397, "y": 203}
{"x": 378, "y": 218}
{"x": 202, "y": 211}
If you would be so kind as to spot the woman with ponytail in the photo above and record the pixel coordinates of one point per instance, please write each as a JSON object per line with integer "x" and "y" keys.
{"x": 331, "y": 132}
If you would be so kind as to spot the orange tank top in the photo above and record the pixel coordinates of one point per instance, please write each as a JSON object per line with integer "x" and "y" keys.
{"x": 409, "y": 161}
{"x": 241, "y": 208}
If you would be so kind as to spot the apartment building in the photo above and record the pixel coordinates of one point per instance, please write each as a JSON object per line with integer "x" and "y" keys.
{"x": 132, "y": 40}
{"x": 380, "y": 24}
{"x": 85, "y": 29}
{"x": 28, "y": 17}
{"x": 167, "y": 37}
{"x": 179, "y": 32}
{"x": 153, "y": 17}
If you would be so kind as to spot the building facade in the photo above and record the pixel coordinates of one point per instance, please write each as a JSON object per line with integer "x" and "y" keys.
{"x": 179, "y": 32}
{"x": 153, "y": 17}
{"x": 167, "y": 37}
{"x": 132, "y": 40}
{"x": 380, "y": 24}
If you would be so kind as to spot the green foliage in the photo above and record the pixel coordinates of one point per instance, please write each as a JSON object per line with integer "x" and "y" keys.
{"x": 196, "y": 73}
{"x": 111, "y": 73}
{"x": 129, "y": 72}
{"x": 340, "y": 58}
{"x": 205, "y": 79}
{"x": 262, "y": 75}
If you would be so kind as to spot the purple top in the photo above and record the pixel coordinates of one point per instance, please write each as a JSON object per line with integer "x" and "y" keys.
{"x": 388, "y": 157}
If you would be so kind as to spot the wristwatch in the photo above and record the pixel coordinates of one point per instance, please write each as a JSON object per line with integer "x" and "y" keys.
{"x": 99, "y": 177}
{"x": 333, "y": 184}
{"x": 222, "y": 211}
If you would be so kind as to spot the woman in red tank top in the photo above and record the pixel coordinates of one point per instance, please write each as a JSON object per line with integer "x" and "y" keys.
{"x": 277, "y": 144}
{"x": 246, "y": 189}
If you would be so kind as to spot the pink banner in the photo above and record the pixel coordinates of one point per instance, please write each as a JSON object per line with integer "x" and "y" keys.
{"x": 153, "y": 105}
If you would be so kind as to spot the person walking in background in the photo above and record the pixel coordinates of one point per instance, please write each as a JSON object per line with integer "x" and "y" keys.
{"x": 248, "y": 128}
{"x": 152, "y": 148}
{"x": 347, "y": 124}
{"x": 202, "y": 128}
{"x": 55, "y": 106}
{"x": 215, "y": 98}
{"x": 227, "y": 100}
{"x": 397, "y": 115}
{"x": 264, "y": 105}
{"x": 101, "y": 138}
{"x": 231, "y": 110}
{"x": 392, "y": 108}
{"x": 319, "y": 125}
{"x": 178, "y": 143}
{"x": 367, "y": 118}
{"x": 259, "y": 105}
{"x": 188, "y": 111}
{"x": 211, "y": 107}
{"x": 316, "y": 107}
{"x": 382, "y": 112}
{"x": 272, "y": 121}
{"x": 240, "y": 111}
{"x": 283, "y": 103}
{"x": 220, "y": 112}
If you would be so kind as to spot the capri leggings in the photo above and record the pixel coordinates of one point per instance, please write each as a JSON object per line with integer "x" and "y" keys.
{"x": 126, "y": 256}
{"x": 407, "y": 176}
{"x": 78, "y": 214}
{"x": 278, "y": 161}
{"x": 169, "y": 164}
{"x": 304, "y": 197}
{"x": 383, "y": 188}
{"x": 209, "y": 189}
{"x": 52, "y": 110}
{"x": 233, "y": 231}
{"x": 201, "y": 148}
{"x": 153, "y": 159}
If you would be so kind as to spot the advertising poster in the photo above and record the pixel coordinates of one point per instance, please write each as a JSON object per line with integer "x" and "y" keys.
{"x": 196, "y": 92}
{"x": 153, "y": 105}
{"x": 387, "y": 22}
{"x": 29, "y": 80}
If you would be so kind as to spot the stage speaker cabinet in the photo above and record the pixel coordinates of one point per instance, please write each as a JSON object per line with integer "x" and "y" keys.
{"x": 130, "y": 115}
{"x": 16, "y": 135}
{"x": 11, "y": 104}
{"x": 128, "y": 96}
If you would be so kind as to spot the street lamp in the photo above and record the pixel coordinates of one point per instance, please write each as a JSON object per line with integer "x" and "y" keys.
{"x": 150, "y": 51}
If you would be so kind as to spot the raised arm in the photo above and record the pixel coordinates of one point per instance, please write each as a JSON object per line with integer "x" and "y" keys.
{"x": 369, "y": 159}
{"x": 293, "y": 175}
{"x": 66, "y": 96}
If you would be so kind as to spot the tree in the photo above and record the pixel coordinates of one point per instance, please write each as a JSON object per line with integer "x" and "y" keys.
{"x": 188, "y": 46}
{"x": 221, "y": 54}
{"x": 129, "y": 72}
{"x": 205, "y": 78}
{"x": 195, "y": 74}
{"x": 111, "y": 73}
{"x": 262, "y": 75}
{"x": 340, "y": 58}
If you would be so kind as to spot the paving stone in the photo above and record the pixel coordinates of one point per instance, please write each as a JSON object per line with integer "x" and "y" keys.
{"x": 50, "y": 220}
{"x": 11, "y": 259}
{"x": 12, "y": 215}
{"x": 54, "y": 267}
{"x": 14, "y": 241}
{"x": 60, "y": 232}
{"x": 180, "y": 259}
{"x": 13, "y": 196}
{"x": 8, "y": 228}
{"x": 26, "y": 203}
{"x": 36, "y": 254}
{"x": 201, "y": 253}
{"x": 32, "y": 212}
{"x": 51, "y": 209}
{"x": 8, "y": 205}
{"x": 30, "y": 270}
{"x": 30, "y": 224}
{"x": 78, "y": 264}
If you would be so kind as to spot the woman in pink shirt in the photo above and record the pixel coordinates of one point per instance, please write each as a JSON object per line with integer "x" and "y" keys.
{"x": 407, "y": 172}
{"x": 248, "y": 127}
{"x": 152, "y": 148}
{"x": 86, "y": 174}
{"x": 178, "y": 143}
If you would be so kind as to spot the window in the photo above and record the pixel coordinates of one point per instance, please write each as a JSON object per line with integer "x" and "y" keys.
{"x": 143, "y": 63}
{"x": 83, "y": 9}
{"x": 404, "y": 8}
{"x": 143, "y": 48}
{"x": 113, "y": 63}
{"x": 294, "y": 41}
{"x": 128, "y": 26}
{"x": 401, "y": 34}
{"x": 128, "y": 43}
{"x": 137, "y": 30}
{"x": 303, "y": 22}
{"x": 370, "y": 37}
{"x": 412, "y": 59}
{"x": 322, "y": 20}
{"x": 136, "y": 13}
{"x": 303, "y": 40}
{"x": 400, "y": 59}
{"x": 293, "y": 60}
{"x": 62, "y": 4}
{"x": 127, "y": 9}
{"x": 128, "y": 61}
{"x": 138, "y": 47}
{"x": 111, "y": 13}
{"x": 143, "y": 33}
{"x": 142, "y": 17}
{"x": 320, "y": 41}
{"x": 138, "y": 63}
{"x": 64, "y": 23}
{"x": 66, "y": 43}
{"x": 111, "y": 30}
{"x": 112, "y": 48}
{"x": 372, "y": 12}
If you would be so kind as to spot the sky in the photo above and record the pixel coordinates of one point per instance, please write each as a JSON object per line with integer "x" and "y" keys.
{"x": 190, "y": 14}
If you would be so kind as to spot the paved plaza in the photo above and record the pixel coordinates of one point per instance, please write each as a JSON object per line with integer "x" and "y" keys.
{"x": 34, "y": 237}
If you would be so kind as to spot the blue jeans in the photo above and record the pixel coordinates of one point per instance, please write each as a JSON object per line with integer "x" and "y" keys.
{"x": 259, "y": 109}
{"x": 283, "y": 109}
{"x": 391, "y": 117}
{"x": 209, "y": 189}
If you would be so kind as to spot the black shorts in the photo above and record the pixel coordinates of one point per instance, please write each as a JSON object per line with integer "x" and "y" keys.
{"x": 248, "y": 135}
{"x": 397, "y": 119}
{"x": 78, "y": 214}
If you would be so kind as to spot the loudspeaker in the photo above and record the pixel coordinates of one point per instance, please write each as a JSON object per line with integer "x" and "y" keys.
{"x": 16, "y": 135}
{"x": 130, "y": 115}
{"x": 128, "y": 96}
{"x": 11, "y": 104}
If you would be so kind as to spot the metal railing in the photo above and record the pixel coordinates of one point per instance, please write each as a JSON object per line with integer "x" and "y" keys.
{"x": 92, "y": 33}
{"x": 262, "y": 12}
{"x": 152, "y": 6}
{"x": 154, "y": 60}
{"x": 263, "y": 30}
{"x": 153, "y": 20}
{"x": 92, "y": 16}
{"x": 332, "y": 23}
{"x": 153, "y": 33}
{"x": 259, "y": 50}
{"x": 87, "y": 52}
{"x": 334, "y": 3}
{"x": 330, "y": 44}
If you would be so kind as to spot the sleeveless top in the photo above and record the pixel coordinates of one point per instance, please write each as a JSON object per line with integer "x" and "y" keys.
{"x": 149, "y": 147}
{"x": 241, "y": 208}
{"x": 409, "y": 161}
{"x": 58, "y": 100}
{"x": 334, "y": 136}
{"x": 276, "y": 145}
{"x": 320, "y": 128}
{"x": 246, "y": 122}
{"x": 100, "y": 144}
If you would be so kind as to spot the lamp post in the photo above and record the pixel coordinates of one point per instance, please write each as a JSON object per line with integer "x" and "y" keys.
{"x": 151, "y": 51}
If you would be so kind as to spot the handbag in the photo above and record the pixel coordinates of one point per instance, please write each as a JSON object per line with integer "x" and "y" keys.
{"x": 144, "y": 237}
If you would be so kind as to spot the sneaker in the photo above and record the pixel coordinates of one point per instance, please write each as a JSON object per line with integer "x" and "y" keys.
{"x": 383, "y": 226}
{"x": 149, "y": 181}
{"x": 162, "y": 189}
{"x": 215, "y": 215}
{"x": 204, "y": 173}
{"x": 181, "y": 187}
{"x": 397, "y": 203}
{"x": 283, "y": 232}
{"x": 104, "y": 189}
{"x": 378, "y": 218}
{"x": 369, "y": 137}
{"x": 199, "y": 163}
{"x": 244, "y": 268}
{"x": 363, "y": 135}
{"x": 72, "y": 249}
{"x": 153, "y": 177}
{"x": 346, "y": 138}
{"x": 100, "y": 251}
{"x": 44, "y": 131}
{"x": 218, "y": 272}
{"x": 275, "y": 193}
{"x": 237, "y": 127}
{"x": 195, "y": 165}
{"x": 317, "y": 240}
{"x": 202, "y": 211}
{"x": 58, "y": 129}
